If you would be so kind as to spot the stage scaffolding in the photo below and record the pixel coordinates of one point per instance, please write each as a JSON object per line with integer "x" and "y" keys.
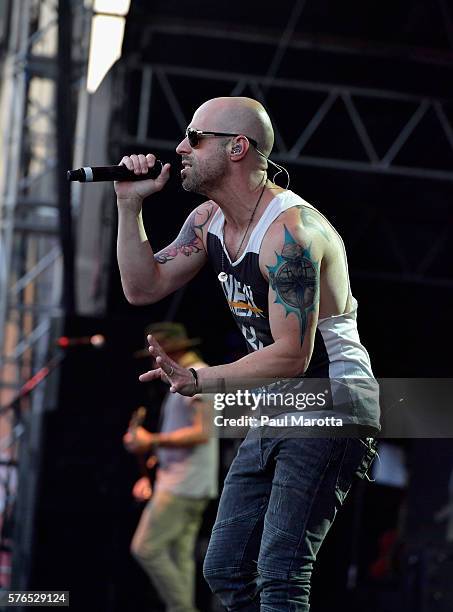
{"x": 45, "y": 60}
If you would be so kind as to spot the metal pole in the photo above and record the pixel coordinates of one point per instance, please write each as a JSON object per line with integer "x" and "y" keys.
{"x": 64, "y": 150}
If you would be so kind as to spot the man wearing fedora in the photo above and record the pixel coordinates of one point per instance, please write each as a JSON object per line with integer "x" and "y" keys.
{"x": 186, "y": 479}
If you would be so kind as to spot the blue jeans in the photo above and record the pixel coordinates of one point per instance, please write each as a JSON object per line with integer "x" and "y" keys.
{"x": 279, "y": 500}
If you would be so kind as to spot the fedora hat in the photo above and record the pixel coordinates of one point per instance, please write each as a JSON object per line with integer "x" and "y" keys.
{"x": 171, "y": 336}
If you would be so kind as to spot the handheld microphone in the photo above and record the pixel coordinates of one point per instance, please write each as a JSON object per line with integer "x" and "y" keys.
{"x": 94, "y": 174}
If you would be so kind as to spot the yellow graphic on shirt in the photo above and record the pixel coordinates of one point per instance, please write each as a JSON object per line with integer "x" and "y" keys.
{"x": 240, "y": 298}
{"x": 246, "y": 306}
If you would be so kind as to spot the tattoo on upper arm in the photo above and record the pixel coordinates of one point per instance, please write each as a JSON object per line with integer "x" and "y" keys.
{"x": 295, "y": 280}
{"x": 188, "y": 241}
{"x": 311, "y": 221}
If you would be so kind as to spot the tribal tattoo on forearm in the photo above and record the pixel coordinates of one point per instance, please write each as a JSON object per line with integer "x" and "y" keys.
{"x": 188, "y": 242}
{"x": 295, "y": 280}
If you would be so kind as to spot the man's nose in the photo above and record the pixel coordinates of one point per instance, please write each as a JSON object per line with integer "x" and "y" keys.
{"x": 183, "y": 147}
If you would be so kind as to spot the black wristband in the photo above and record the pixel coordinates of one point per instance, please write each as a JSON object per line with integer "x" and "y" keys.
{"x": 195, "y": 378}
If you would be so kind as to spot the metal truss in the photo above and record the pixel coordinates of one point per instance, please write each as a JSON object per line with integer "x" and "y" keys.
{"x": 30, "y": 242}
{"x": 291, "y": 38}
{"x": 28, "y": 204}
{"x": 347, "y": 113}
{"x": 366, "y": 153}
{"x": 31, "y": 263}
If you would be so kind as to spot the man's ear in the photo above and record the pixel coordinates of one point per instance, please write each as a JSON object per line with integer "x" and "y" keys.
{"x": 239, "y": 148}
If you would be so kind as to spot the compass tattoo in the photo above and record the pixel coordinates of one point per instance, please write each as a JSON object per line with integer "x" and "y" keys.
{"x": 295, "y": 280}
{"x": 188, "y": 241}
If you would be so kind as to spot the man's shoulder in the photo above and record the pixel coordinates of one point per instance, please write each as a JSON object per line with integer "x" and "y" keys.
{"x": 290, "y": 221}
{"x": 201, "y": 218}
{"x": 209, "y": 207}
{"x": 290, "y": 232}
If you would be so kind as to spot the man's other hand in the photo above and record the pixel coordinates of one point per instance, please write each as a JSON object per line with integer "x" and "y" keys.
{"x": 138, "y": 441}
{"x": 181, "y": 380}
{"x": 141, "y": 490}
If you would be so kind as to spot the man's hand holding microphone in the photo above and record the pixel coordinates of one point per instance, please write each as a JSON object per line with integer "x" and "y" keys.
{"x": 132, "y": 193}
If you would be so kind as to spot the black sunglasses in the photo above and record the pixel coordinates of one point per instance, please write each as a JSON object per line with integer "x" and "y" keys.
{"x": 194, "y": 136}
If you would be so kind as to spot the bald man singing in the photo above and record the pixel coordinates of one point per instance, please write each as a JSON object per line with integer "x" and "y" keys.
{"x": 283, "y": 269}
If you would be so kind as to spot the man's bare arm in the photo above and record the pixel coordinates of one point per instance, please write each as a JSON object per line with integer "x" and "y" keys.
{"x": 197, "y": 433}
{"x": 144, "y": 278}
{"x": 147, "y": 277}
